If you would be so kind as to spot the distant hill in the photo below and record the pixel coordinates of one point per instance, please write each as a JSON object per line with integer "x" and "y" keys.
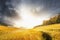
{"x": 47, "y": 27}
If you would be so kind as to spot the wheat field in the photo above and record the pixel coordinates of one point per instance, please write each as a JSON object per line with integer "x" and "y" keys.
{"x": 49, "y": 32}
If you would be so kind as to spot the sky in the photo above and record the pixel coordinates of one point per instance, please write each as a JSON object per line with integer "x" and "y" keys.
{"x": 27, "y": 13}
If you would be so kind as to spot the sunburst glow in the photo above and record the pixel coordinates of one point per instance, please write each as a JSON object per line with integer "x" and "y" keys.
{"x": 28, "y": 20}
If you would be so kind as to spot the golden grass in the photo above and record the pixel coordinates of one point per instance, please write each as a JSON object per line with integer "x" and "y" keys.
{"x": 9, "y": 33}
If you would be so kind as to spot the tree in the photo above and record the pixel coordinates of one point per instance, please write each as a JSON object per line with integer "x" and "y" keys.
{"x": 53, "y": 20}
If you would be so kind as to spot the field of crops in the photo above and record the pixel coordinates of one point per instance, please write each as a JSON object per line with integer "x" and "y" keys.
{"x": 49, "y": 32}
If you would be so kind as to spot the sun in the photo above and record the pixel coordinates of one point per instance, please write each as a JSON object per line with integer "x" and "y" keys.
{"x": 28, "y": 20}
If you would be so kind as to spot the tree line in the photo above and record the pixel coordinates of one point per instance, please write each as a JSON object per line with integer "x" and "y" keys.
{"x": 53, "y": 20}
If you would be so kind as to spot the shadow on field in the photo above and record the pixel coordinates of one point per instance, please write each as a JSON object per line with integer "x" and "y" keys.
{"x": 46, "y": 36}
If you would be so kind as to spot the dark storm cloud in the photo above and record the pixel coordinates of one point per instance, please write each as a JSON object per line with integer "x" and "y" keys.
{"x": 47, "y": 3}
{"x": 52, "y": 6}
{"x": 7, "y": 11}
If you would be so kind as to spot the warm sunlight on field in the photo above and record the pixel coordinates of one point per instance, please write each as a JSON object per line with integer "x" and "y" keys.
{"x": 49, "y": 32}
{"x": 29, "y": 19}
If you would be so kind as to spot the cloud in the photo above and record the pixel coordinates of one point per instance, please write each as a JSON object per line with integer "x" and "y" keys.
{"x": 10, "y": 10}
{"x": 7, "y": 10}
